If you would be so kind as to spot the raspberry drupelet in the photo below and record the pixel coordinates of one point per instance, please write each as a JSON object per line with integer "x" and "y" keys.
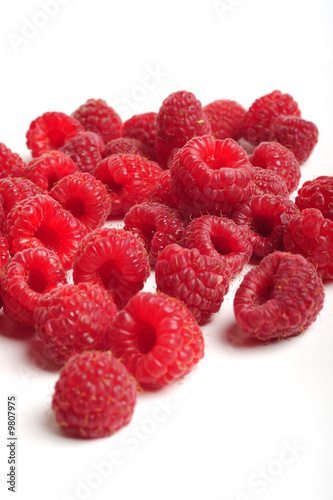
{"x": 95, "y": 115}
{"x": 85, "y": 149}
{"x": 49, "y": 168}
{"x": 10, "y": 163}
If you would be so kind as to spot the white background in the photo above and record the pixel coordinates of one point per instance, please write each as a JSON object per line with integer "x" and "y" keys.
{"x": 226, "y": 431}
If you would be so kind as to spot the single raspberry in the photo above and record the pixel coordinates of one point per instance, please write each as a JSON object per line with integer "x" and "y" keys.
{"x": 300, "y": 136}
{"x": 48, "y": 168}
{"x": 28, "y": 276}
{"x": 280, "y": 160}
{"x": 84, "y": 197}
{"x": 199, "y": 281}
{"x": 129, "y": 178}
{"x": 258, "y": 120}
{"x": 4, "y": 253}
{"x": 317, "y": 193}
{"x": 225, "y": 118}
{"x": 180, "y": 118}
{"x": 221, "y": 238}
{"x": 279, "y": 298}
{"x": 85, "y": 149}
{"x": 10, "y": 163}
{"x": 210, "y": 176}
{"x": 161, "y": 192}
{"x": 128, "y": 146}
{"x": 51, "y": 131}
{"x": 15, "y": 189}
{"x": 41, "y": 221}
{"x": 142, "y": 127}
{"x": 310, "y": 235}
{"x": 157, "y": 338}
{"x": 113, "y": 258}
{"x": 71, "y": 319}
{"x": 94, "y": 396}
{"x": 268, "y": 182}
{"x": 157, "y": 226}
{"x": 96, "y": 116}
{"x": 266, "y": 217}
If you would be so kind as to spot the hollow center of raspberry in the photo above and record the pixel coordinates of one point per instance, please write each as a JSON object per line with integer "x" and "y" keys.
{"x": 113, "y": 279}
{"x": 264, "y": 293}
{"x": 53, "y": 178}
{"x": 36, "y": 281}
{"x": 263, "y": 225}
{"x": 148, "y": 231}
{"x": 146, "y": 338}
{"x": 215, "y": 163}
{"x": 114, "y": 186}
{"x": 221, "y": 245}
{"x": 48, "y": 237}
{"x": 76, "y": 207}
{"x": 56, "y": 139}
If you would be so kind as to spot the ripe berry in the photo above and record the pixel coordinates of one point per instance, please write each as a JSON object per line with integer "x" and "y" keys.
{"x": 15, "y": 189}
{"x": 10, "y": 163}
{"x": 161, "y": 192}
{"x": 142, "y": 127}
{"x": 128, "y": 146}
{"x": 317, "y": 193}
{"x": 96, "y": 116}
{"x": 4, "y": 253}
{"x": 267, "y": 182}
{"x": 48, "y": 168}
{"x": 85, "y": 149}
{"x": 225, "y": 118}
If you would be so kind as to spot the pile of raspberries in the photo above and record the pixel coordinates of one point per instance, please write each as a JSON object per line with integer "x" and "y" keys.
{"x": 201, "y": 190}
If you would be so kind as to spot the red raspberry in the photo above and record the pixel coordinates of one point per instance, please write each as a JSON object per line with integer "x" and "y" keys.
{"x": 273, "y": 156}
{"x": 161, "y": 191}
{"x": 221, "y": 238}
{"x": 10, "y": 163}
{"x": 85, "y": 149}
{"x": 50, "y": 131}
{"x": 200, "y": 281}
{"x": 48, "y": 168}
{"x": 113, "y": 258}
{"x": 317, "y": 193}
{"x": 300, "y": 136}
{"x": 279, "y": 298}
{"x": 180, "y": 118}
{"x": 267, "y": 182}
{"x": 157, "y": 338}
{"x": 210, "y": 176}
{"x": 157, "y": 226}
{"x": 258, "y": 120}
{"x": 4, "y": 253}
{"x": 266, "y": 217}
{"x": 94, "y": 395}
{"x": 142, "y": 127}
{"x": 129, "y": 178}
{"x": 128, "y": 146}
{"x": 41, "y": 221}
{"x": 225, "y": 118}
{"x": 96, "y": 116}
{"x": 15, "y": 189}
{"x": 74, "y": 318}
{"x": 28, "y": 276}
{"x": 310, "y": 235}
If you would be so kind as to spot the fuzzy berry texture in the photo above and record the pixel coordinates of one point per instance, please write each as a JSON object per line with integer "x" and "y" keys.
{"x": 96, "y": 116}
{"x": 85, "y": 197}
{"x": 221, "y": 238}
{"x": 49, "y": 168}
{"x": 129, "y": 178}
{"x": 51, "y": 131}
{"x": 311, "y": 235}
{"x": 225, "y": 118}
{"x": 142, "y": 127}
{"x": 115, "y": 259}
{"x": 317, "y": 193}
{"x": 209, "y": 176}
{"x": 13, "y": 190}
{"x": 267, "y": 182}
{"x": 161, "y": 192}
{"x": 94, "y": 396}
{"x": 125, "y": 145}
{"x": 4, "y": 253}
{"x": 157, "y": 338}
{"x": 28, "y": 276}
{"x": 71, "y": 319}
{"x": 199, "y": 281}
{"x": 10, "y": 163}
{"x": 157, "y": 226}
{"x": 41, "y": 221}
{"x": 85, "y": 149}
{"x": 279, "y": 298}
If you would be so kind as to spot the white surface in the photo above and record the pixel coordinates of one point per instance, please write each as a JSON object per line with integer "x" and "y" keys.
{"x": 227, "y": 428}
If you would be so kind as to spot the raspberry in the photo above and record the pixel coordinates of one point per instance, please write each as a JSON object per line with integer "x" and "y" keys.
{"x": 317, "y": 193}
{"x": 258, "y": 120}
{"x": 279, "y": 298}
{"x": 15, "y": 189}
{"x": 40, "y": 221}
{"x": 225, "y": 118}
{"x": 310, "y": 235}
{"x": 200, "y": 281}
{"x": 180, "y": 118}
{"x": 221, "y": 238}
{"x": 84, "y": 197}
{"x": 48, "y": 168}
{"x": 94, "y": 395}
{"x": 4, "y": 253}
{"x": 267, "y": 182}
{"x": 129, "y": 178}
{"x": 10, "y": 163}
{"x": 128, "y": 146}
{"x": 210, "y": 176}
{"x": 300, "y": 136}
{"x": 157, "y": 226}
{"x": 266, "y": 217}
{"x": 157, "y": 338}
{"x": 113, "y": 258}
{"x": 71, "y": 319}
{"x": 280, "y": 160}
{"x": 161, "y": 191}
{"x": 96, "y": 116}
{"x": 85, "y": 149}
{"x": 142, "y": 127}
{"x": 50, "y": 131}
{"x": 28, "y": 276}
